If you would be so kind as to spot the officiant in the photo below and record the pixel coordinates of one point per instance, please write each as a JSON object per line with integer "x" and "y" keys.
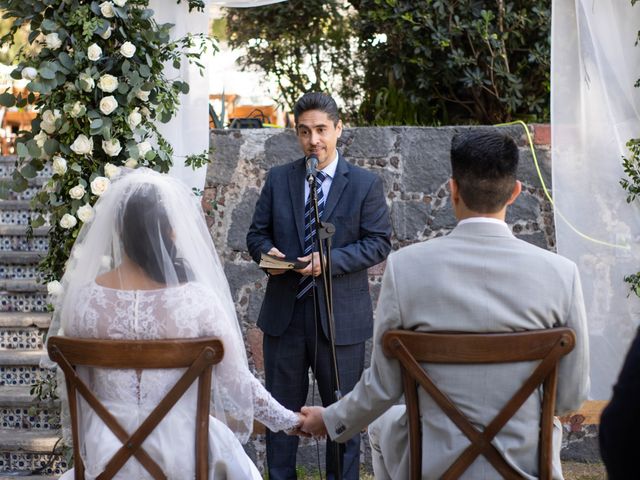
{"x": 293, "y": 316}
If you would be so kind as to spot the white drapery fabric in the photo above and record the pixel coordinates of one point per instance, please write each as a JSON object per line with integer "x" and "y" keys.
{"x": 594, "y": 112}
{"x": 188, "y": 131}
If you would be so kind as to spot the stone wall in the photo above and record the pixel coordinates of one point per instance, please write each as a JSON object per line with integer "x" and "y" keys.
{"x": 414, "y": 165}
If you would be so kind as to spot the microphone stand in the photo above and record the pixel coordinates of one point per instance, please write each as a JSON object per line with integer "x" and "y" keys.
{"x": 324, "y": 233}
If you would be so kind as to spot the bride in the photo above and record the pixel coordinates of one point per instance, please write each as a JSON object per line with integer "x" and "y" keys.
{"x": 146, "y": 268}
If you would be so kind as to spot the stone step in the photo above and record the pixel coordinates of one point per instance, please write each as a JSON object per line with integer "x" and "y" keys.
{"x": 20, "y": 257}
{"x": 35, "y": 442}
{"x": 20, "y": 358}
{"x": 22, "y": 285}
{"x": 20, "y": 396}
{"x": 14, "y": 238}
{"x": 18, "y": 319}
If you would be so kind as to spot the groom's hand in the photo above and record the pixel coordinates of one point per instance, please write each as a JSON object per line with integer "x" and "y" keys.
{"x": 276, "y": 253}
{"x": 313, "y": 422}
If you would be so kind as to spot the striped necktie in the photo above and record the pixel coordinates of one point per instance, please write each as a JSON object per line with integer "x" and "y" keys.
{"x": 310, "y": 231}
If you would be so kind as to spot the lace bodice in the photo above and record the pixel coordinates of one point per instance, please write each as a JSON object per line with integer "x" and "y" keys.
{"x": 185, "y": 311}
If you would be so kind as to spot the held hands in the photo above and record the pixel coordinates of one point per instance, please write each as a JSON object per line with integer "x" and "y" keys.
{"x": 313, "y": 423}
{"x": 310, "y": 423}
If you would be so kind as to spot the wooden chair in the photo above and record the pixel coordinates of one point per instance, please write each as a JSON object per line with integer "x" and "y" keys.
{"x": 198, "y": 355}
{"x": 413, "y": 348}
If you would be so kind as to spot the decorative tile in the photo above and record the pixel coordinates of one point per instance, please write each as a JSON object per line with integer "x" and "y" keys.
{"x": 7, "y": 168}
{"x": 19, "y": 243}
{"x": 19, "y": 272}
{"x": 43, "y": 419}
{"x": 16, "y": 217}
{"x": 19, "y": 375}
{"x": 5, "y": 461}
{"x": 21, "y": 339}
{"x": 27, "y": 194}
{"x": 24, "y": 302}
{"x": 33, "y": 461}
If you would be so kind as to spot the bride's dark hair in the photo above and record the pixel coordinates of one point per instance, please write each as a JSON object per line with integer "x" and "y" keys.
{"x": 147, "y": 235}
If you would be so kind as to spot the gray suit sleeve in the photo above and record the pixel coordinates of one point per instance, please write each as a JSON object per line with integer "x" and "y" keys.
{"x": 381, "y": 384}
{"x": 573, "y": 372}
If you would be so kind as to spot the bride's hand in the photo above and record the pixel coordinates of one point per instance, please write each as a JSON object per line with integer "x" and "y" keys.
{"x": 297, "y": 429}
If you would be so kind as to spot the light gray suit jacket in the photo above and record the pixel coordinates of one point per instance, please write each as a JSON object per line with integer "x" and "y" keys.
{"x": 479, "y": 278}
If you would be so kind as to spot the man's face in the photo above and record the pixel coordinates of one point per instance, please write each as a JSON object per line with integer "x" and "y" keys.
{"x": 318, "y": 135}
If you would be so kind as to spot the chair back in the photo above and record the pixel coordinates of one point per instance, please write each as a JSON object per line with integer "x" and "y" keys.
{"x": 414, "y": 348}
{"x": 197, "y": 355}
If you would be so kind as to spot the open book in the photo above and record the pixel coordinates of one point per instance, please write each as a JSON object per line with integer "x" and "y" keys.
{"x": 269, "y": 261}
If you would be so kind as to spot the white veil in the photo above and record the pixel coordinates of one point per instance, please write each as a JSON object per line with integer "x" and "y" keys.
{"x": 156, "y": 222}
{"x": 595, "y": 110}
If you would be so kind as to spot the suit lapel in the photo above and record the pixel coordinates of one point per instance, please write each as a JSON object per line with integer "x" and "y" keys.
{"x": 338, "y": 184}
{"x": 296, "y": 191}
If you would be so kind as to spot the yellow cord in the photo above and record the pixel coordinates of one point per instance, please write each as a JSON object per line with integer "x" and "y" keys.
{"x": 548, "y": 195}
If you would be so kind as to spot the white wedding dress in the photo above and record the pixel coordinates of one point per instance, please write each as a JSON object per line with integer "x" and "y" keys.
{"x": 189, "y": 310}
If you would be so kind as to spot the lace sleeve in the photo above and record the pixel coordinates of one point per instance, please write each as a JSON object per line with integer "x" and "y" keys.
{"x": 269, "y": 412}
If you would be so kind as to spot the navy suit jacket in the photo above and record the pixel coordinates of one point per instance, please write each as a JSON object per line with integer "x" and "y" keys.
{"x": 356, "y": 206}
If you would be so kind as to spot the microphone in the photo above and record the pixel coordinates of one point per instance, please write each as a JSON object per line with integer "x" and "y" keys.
{"x": 312, "y": 165}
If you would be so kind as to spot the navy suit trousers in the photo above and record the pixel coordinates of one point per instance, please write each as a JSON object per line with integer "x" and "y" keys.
{"x": 287, "y": 362}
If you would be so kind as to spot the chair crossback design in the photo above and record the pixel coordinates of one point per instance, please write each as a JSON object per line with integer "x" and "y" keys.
{"x": 197, "y": 355}
{"x": 413, "y": 348}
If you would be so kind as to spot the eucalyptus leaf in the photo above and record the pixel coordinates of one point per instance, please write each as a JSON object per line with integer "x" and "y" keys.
{"x": 22, "y": 150}
{"x": 37, "y": 222}
{"x": 51, "y": 146}
{"x": 7, "y": 99}
{"x": 19, "y": 183}
{"x": 34, "y": 149}
{"x": 28, "y": 171}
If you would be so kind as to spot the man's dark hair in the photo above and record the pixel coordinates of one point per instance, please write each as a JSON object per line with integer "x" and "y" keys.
{"x": 484, "y": 163}
{"x": 316, "y": 101}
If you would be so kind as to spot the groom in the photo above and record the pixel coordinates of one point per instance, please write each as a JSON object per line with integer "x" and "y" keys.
{"x": 293, "y": 315}
{"x": 479, "y": 278}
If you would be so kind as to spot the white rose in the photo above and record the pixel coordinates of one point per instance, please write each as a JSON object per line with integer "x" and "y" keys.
{"x": 94, "y": 52}
{"x": 40, "y": 138}
{"x": 143, "y": 95}
{"x": 54, "y": 288}
{"x": 29, "y": 73}
{"x": 131, "y": 163}
{"x": 82, "y": 145}
{"x": 99, "y": 185}
{"x": 53, "y": 41}
{"x": 77, "y": 110}
{"x": 69, "y": 86}
{"x": 145, "y": 111}
{"x": 59, "y": 165}
{"x": 86, "y": 82}
{"x": 85, "y": 213}
{"x": 108, "y": 83}
{"x": 49, "y": 118}
{"x": 110, "y": 170}
{"x": 134, "y": 118}
{"x": 120, "y": 3}
{"x": 77, "y": 192}
{"x": 112, "y": 148}
{"x": 143, "y": 148}
{"x": 108, "y": 104}
{"x": 107, "y": 33}
{"x": 106, "y": 8}
{"x": 127, "y": 49}
{"x": 68, "y": 221}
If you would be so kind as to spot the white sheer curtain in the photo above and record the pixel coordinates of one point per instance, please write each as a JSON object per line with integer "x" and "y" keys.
{"x": 594, "y": 112}
{"x": 188, "y": 131}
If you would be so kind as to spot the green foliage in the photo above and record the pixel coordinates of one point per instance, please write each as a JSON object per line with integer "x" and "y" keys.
{"x": 97, "y": 79}
{"x": 303, "y": 45}
{"x": 464, "y": 61}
